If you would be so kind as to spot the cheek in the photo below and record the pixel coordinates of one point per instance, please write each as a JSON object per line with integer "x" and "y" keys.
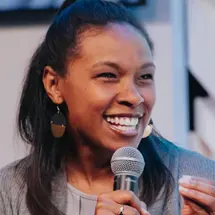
{"x": 92, "y": 99}
{"x": 98, "y": 98}
{"x": 149, "y": 96}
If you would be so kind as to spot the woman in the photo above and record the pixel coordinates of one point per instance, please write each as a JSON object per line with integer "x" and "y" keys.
{"x": 90, "y": 90}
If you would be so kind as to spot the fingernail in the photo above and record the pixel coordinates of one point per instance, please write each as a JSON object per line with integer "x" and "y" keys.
{"x": 185, "y": 180}
{"x": 143, "y": 206}
{"x": 183, "y": 189}
{"x": 145, "y": 212}
{"x": 187, "y": 176}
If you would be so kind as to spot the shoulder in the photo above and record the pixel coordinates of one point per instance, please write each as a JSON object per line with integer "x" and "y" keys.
{"x": 188, "y": 162}
{"x": 193, "y": 163}
{"x": 13, "y": 172}
{"x": 11, "y": 185}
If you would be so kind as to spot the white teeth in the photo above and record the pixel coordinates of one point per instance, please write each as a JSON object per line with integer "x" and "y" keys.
{"x": 124, "y": 121}
{"x": 127, "y": 121}
{"x": 116, "y": 120}
{"x": 121, "y": 121}
{"x": 125, "y": 128}
{"x": 134, "y": 121}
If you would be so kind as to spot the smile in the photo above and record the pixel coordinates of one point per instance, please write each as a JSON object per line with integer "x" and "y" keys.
{"x": 127, "y": 126}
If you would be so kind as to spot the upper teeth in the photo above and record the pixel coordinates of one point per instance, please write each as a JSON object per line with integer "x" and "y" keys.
{"x": 128, "y": 121}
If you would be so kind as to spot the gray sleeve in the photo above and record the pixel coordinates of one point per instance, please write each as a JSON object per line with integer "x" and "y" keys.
{"x": 10, "y": 192}
{"x": 194, "y": 164}
{"x": 2, "y": 205}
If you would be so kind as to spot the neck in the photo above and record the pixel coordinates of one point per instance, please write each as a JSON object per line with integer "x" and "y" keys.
{"x": 88, "y": 169}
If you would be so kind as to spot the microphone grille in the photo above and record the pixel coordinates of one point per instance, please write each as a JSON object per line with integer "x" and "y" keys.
{"x": 127, "y": 161}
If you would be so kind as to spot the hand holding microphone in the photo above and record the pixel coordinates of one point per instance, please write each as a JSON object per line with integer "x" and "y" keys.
{"x": 127, "y": 164}
{"x": 120, "y": 202}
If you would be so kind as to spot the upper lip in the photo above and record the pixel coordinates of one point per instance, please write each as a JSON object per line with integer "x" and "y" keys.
{"x": 130, "y": 115}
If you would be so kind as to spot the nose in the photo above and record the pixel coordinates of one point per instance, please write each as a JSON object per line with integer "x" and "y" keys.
{"x": 130, "y": 96}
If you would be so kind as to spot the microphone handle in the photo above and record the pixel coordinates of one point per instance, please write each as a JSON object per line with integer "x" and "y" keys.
{"x": 126, "y": 182}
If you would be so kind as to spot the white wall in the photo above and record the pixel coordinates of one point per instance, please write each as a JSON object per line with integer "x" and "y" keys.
{"x": 201, "y": 29}
{"x": 161, "y": 34}
{"x": 16, "y": 47}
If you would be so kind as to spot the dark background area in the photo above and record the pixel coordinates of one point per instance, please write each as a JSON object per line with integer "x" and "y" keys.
{"x": 22, "y": 12}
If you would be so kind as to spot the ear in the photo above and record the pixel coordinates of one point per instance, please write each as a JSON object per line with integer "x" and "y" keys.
{"x": 51, "y": 82}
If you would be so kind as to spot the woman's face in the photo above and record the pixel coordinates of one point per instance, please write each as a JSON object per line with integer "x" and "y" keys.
{"x": 109, "y": 89}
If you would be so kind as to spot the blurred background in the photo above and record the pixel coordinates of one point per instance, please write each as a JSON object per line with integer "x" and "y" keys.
{"x": 29, "y": 4}
{"x": 183, "y": 33}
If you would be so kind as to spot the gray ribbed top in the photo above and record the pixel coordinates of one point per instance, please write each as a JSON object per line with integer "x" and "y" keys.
{"x": 80, "y": 203}
{"x": 179, "y": 161}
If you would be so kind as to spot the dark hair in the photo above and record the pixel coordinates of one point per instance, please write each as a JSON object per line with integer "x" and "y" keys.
{"x": 36, "y": 109}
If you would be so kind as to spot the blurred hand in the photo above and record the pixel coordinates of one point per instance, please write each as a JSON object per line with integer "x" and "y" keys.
{"x": 110, "y": 204}
{"x": 198, "y": 194}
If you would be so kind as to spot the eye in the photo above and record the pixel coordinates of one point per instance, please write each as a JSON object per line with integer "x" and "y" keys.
{"x": 147, "y": 77}
{"x": 107, "y": 75}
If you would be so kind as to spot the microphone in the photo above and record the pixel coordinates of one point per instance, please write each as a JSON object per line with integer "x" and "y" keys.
{"x": 127, "y": 164}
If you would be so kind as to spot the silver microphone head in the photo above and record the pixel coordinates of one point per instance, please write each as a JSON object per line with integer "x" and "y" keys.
{"x": 127, "y": 161}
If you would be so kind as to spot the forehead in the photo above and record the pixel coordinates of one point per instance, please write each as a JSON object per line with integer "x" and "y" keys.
{"x": 121, "y": 42}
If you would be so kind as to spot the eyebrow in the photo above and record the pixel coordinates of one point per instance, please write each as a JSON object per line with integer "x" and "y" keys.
{"x": 117, "y": 67}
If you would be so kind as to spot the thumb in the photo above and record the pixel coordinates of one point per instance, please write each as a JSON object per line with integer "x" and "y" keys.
{"x": 144, "y": 209}
{"x": 143, "y": 205}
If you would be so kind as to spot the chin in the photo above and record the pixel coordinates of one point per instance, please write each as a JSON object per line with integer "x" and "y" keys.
{"x": 113, "y": 146}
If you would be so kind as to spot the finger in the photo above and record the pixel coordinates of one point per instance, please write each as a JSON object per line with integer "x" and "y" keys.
{"x": 198, "y": 185}
{"x": 123, "y": 197}
{"x": 191, "y": 207}
{"x": 103, "y": 211}
{"x": 187, "y": 210}
{"x": 204, "y": 180}
{"x": 130, "y": 210}
{"x": 143, "y": 205}
{"x": 108, "y": 205}
{"x": 205, "y": 200}
{"x": 115, "y": 208}
{"x": 196, "y": 208}
{"x": 185, "y": 201}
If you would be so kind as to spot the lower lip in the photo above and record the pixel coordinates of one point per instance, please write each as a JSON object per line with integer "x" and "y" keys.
{"x": 129, "y": 133}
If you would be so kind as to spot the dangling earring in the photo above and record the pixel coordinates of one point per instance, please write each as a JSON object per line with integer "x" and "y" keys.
{"x": 148, "y": 130}
{"x": 58, "y": 124}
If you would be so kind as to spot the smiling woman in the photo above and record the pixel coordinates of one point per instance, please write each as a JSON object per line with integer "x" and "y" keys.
{"x": 89, "y": 91}
{"x": 110, "y": 86}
